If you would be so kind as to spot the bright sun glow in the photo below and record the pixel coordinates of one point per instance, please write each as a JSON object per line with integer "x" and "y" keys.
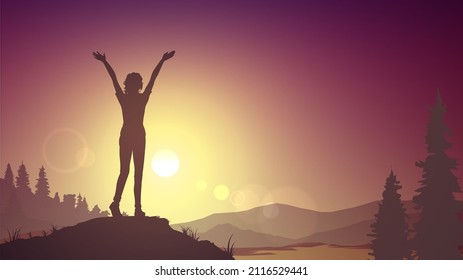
{"x": 165, "y": 163}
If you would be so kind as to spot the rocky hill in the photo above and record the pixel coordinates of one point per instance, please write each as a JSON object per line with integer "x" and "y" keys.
{"x": 126, "y": 238}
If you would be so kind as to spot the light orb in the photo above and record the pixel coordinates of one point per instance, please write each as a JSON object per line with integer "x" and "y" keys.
{"x": 221, "y": 192}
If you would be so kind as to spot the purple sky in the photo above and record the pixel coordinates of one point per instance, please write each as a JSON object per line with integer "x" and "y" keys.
{"x": 320, "y": 98}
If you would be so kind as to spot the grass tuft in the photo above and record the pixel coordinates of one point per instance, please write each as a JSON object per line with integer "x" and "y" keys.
{"x": 230, "y": 250}
{"x": 14, "y": 235}
{"x": 190, "y": 232}
{"x": 53, "y": 229}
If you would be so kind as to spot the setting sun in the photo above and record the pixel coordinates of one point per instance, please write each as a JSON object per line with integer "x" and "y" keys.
{"x": 165, "y": 163}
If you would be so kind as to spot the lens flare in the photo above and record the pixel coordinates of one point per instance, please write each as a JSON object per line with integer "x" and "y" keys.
{"x": 221, "y": 192}
{"x": 238, "y": 198}
{"x": 201, "y": 185}
{"x": 65, "y": 150}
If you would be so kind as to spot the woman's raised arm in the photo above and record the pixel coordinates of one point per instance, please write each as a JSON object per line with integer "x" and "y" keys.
{"x": 149, "y": 86}
{"x": 112, "y": 74}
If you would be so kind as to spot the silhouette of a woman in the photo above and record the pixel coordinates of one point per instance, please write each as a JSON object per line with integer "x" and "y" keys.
{"x": 132, "y": 138}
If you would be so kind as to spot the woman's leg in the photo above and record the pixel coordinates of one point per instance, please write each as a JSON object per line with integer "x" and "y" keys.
{"x": 138, "y": 160}
{"x": 125, "y": 152}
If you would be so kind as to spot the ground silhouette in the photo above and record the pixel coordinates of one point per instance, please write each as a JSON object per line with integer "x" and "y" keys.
{"x": 125, "y": 238}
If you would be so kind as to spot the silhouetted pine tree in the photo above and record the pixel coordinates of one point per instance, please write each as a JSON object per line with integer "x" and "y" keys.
{"x": 6, "y": 188}
{"x": 82, "y": 206}
{"x": 8, "y": 180}
{"x": 79, "y": 201}
{"x": 13, "y": 207}
{"x": 95, "y": 211}
{"x": 22, "y": 180}
{"x": 390, "y": 230}
{"x": 69, "y": 203}
{"x": 438, "y": 231}
{"x": 85, "y": 204}
{"x": 43, "y": 189}
{"x": 56, "y": 198}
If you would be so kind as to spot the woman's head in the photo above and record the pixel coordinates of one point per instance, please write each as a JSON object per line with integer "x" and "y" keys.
{"x": 133, "y": 83}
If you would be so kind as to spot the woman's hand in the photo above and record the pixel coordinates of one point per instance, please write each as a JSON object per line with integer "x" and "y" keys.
{"x": 168, "y": 55}
{"x": 99, "y": 56}
{"x": 112, "y": 74}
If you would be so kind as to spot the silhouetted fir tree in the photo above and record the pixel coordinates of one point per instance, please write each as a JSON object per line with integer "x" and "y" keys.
{"x": 78, "y": 201}
{"x": 2, "y": 197}
{"x": 85, "y": 204}
{"x": 43, "y": 189}
{"x": 22, "y": 180}
{"x": 8, "y": 179}
{"x": 56, "y": 198}
{"x": 390, "y": 230}
{"x": 69, "y": 203}
{"x": 438, "y": 230}
{"x": 95, "y": 211}
{"x": 6, "y": 188}
{"x": 82, "y": 206}
{"x": 13, "y": 207}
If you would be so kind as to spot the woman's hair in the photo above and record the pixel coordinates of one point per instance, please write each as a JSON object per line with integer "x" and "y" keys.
{"x": 133, "y": 83}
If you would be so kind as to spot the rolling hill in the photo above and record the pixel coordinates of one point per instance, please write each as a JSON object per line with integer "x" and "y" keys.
{"x": 220, "y": 234}
{"x": 285, "y": 220}
{"x": 281, "y": 225}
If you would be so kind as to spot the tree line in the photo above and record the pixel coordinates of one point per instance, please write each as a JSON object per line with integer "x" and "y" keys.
{"x": 438, "y": 233}
{"x": 21, "y": 207}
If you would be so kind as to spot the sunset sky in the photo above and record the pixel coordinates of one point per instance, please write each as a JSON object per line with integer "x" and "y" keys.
{"x": 308, "y": 103}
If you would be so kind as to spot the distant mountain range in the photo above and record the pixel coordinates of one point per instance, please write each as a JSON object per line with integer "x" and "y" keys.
{"x": 277, "y": 225}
